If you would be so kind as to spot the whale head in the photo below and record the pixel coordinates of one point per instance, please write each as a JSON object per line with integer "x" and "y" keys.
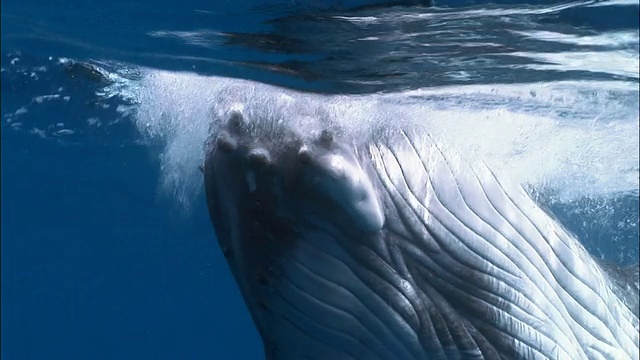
{"x": 389, "y": 248}
{"x": 298, "y": 178}
{"x": 274, "y": 189}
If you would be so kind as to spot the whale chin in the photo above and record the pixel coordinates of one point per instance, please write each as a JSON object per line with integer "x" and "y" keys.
{"x": 392, "y": 247}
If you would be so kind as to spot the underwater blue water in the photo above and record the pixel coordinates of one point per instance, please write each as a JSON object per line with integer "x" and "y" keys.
{"x": 95, "y": 265}
{"x": 107, "y": 248}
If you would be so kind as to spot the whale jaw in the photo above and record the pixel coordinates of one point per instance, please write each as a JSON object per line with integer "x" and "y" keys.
{"x": 392, "y": 249}
{"x": 272, "y": 197}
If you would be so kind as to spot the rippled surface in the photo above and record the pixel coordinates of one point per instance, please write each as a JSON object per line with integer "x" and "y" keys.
{"x": 107, "y": 104}
{"x": 411, "y": 48}
{"x": 374, "y": 49}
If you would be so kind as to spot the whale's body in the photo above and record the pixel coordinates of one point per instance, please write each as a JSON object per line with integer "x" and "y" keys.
{"x": 390, "y": 247}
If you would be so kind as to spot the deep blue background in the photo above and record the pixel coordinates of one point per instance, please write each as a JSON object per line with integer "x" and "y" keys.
{"x": 95, "y": 263}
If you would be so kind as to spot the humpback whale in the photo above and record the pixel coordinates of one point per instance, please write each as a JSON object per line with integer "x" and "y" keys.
{"x": 386, "y": 244}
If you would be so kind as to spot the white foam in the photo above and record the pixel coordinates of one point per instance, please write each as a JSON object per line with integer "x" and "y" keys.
{"x": 175, "y": 109}
{"x": 202, "y": 37}
{"x": 587, "y": 148}
{"x": 615, "y": 3}
{"x": 457, "y": 13}
{"x": 42, "y": 98}
{"x": 611, "y": 62}
{"x": 614, "y": 38}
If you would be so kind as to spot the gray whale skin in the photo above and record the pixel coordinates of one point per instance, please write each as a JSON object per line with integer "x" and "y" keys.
{"x": 385, "y": 245}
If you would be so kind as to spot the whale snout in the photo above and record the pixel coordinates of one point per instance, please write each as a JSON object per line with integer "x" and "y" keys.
{"x": 318, "y": 175}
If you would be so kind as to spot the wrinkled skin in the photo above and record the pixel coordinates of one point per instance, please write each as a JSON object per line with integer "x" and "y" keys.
{"x": 393, "y": 248}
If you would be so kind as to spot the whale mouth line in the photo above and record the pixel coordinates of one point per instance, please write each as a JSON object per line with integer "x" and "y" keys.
{"x": 394, "y": 247}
